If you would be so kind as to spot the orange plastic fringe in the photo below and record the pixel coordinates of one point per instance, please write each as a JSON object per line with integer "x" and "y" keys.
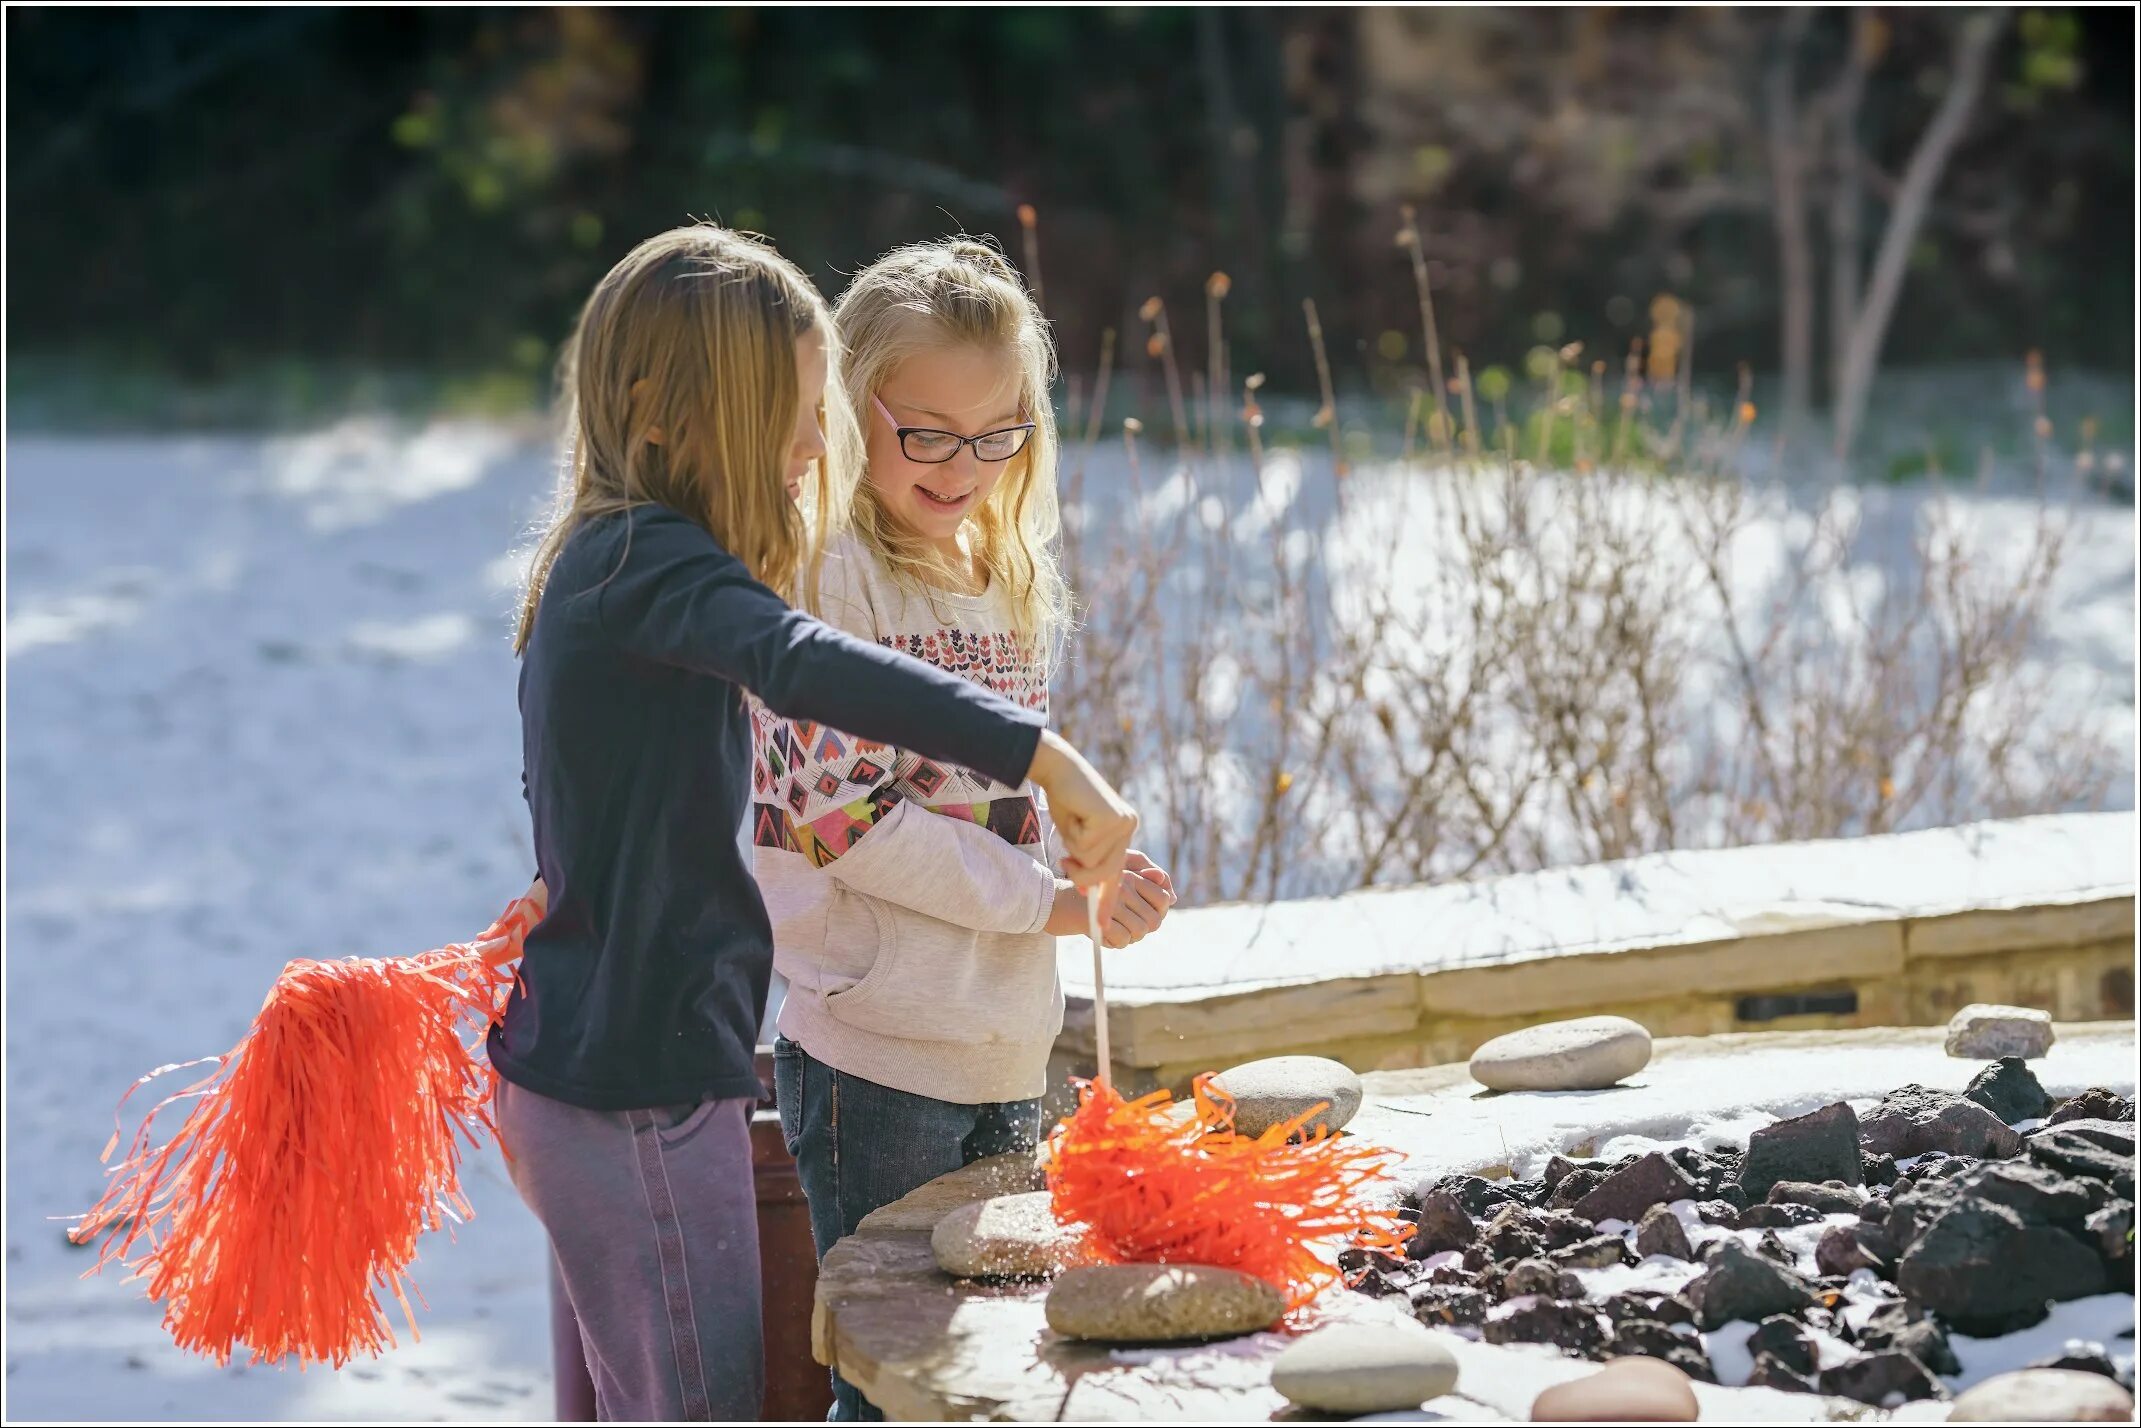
{"x": 319, "y": 1149}
{"x": 1150, "y": 1183}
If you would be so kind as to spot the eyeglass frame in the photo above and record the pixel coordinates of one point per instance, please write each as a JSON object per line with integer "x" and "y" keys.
{"x": 900, "y": 433}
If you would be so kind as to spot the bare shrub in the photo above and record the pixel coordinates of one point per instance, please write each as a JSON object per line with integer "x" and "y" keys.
{"x": 1580, "y": 637}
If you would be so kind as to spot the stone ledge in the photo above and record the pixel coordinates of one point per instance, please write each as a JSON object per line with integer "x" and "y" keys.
{"x": 1224, "y": 984}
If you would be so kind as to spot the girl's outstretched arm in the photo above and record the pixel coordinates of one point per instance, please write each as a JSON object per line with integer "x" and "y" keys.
{"x": 679, "y": 598}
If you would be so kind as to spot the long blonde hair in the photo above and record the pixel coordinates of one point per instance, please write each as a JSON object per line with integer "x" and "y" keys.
{"x": 679, "y": 388}
{"x": 959, "y": 291}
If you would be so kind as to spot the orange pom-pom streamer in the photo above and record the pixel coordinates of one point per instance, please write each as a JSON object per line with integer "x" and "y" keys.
{"x": 1150, "y": 1183}
{"x": 320, "y": 1148}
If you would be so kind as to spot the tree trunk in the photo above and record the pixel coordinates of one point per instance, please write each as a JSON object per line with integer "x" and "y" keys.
{"x": 1795, "y": 250}
{"x": 1845, "y": 238}
{"x": 1974, "y": 41}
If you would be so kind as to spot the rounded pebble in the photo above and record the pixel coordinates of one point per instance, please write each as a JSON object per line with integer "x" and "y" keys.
{"x": 1364, "y": 1368}
{"x": 2044, "y": 1396}
{"x": 1275, "y": 1090}
{"x": 1626, "y": 1390}
{"x": 1160, "y": 1303}
{"x": 1586, "y": 1054}
{"x": 1004, "y": 1236}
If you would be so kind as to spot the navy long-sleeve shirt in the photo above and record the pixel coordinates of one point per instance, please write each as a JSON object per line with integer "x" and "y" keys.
{"x": 643, "y": 984}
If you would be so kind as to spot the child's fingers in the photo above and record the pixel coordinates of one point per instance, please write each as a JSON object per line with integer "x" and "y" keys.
{"x": 1157, "y": 877}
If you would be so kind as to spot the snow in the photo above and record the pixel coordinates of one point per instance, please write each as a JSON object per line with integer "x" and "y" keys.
{"x": 260, "y": 704}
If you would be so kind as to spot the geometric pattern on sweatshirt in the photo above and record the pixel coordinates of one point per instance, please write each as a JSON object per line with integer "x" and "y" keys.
{"x": 816, "y": 790}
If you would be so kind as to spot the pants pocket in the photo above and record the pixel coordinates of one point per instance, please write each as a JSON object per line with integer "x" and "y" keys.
{"x": 676, "y": 1126}
{"x": 788, "y": 1091}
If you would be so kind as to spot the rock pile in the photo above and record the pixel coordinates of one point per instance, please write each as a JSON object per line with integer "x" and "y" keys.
{"x": 1938, "y": 1215}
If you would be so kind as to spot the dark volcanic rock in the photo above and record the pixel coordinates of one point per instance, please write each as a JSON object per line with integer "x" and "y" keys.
{"x": 1738, "y": 1283}
{"x": 1787, "y": 1340}
{"x": 1508, "y": 1234}
{"x": 2112, "y": 1135}
{"x": 1985, "y": 1272}
{"x": 1624, "y": 1195}
{"x": 1538, "y": 1276}
{"x": 1719, "y": 1212}
{"x": 2111, "y": 1229}
{"x": 1528, "y": 1192}
{"x": 1878, "y": 1378}
{"x": 2096, "y": 1103}
{"x": 1578, "y": 1328}
{"x": 1914, "y": 1120}
{"x": 1595, "y": 1253}
{"x": 2010, "y": 1090}
{"x": 1477, "y": 1197}
{"x": 1389, "y": 1277}
{"x": 1654, "y": 1340}
{"x": 1662, "y": 1233}
{"x": 1560, "y": 1167}
{"x": 1820, "y": 1145}
{"x": 1448, "y": 1305}
{"x": 1478, "y": 1257}
{"x": 1779, "y": 1217}
{"x": 1877, "y": 1169}
{"x": 1772, "y": 1372}
{"x": 1844, "y": 1248}
{"x": 1558, "y": 1229}
{"x": 1771, "y": 1248}
{"x": 2073, "y": 1152}
{"x": 2037, "y": 1195}
{"x": 1641, "y": 1304}
{"x": 1875, "y": 1211}
{"x": 1444, "y": 1225}
{"x": 1903, "y": 1326}
{"x": 1673, "y": 1309}
{"x": 1573, "y": 1187}
{"x": 1829, "y": 1199}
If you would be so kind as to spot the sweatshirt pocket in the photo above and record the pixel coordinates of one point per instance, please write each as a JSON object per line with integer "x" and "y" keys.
{"x": 933, "y": 981}
{"x": 858, "y": 932}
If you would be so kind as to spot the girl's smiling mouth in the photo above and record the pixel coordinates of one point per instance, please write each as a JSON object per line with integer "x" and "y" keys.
{"x": 945, "y": 503}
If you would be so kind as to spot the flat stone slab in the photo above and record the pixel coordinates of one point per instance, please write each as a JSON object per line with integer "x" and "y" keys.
{"x": 1986, "y": 1032}
{"x": 1585, "y": 1054}
{"x": 1276, "y": 1089}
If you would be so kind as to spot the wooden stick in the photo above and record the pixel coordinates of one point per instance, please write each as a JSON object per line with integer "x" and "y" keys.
{"x": 1100, "y": 990}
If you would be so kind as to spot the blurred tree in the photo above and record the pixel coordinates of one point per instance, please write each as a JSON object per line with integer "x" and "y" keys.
{"x": 207, "y": 190}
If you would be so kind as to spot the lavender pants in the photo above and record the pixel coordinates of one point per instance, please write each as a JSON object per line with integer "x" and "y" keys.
{"x": 653, "y": 1223}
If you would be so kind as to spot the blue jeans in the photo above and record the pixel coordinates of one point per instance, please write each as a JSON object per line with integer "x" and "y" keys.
{"x": 859, "y": 1145}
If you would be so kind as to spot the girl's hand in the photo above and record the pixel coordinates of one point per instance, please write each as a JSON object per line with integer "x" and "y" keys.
{"x": 1145, "y": 895}
{"x": 1094, "y": 821}
{"x": 1143, "y": 898}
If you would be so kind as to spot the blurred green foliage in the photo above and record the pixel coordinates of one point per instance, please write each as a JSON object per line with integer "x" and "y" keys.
{"x": 198, "y": 196}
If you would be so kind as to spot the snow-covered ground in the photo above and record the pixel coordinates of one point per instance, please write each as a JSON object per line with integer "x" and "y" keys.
{"x": 260, "y": 705}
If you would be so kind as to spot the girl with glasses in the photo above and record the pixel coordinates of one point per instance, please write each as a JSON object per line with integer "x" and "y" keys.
{"x": 914, "y": 908}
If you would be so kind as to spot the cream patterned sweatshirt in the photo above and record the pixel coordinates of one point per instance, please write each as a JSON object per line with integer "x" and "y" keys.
{"x": 909, "y": 896}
